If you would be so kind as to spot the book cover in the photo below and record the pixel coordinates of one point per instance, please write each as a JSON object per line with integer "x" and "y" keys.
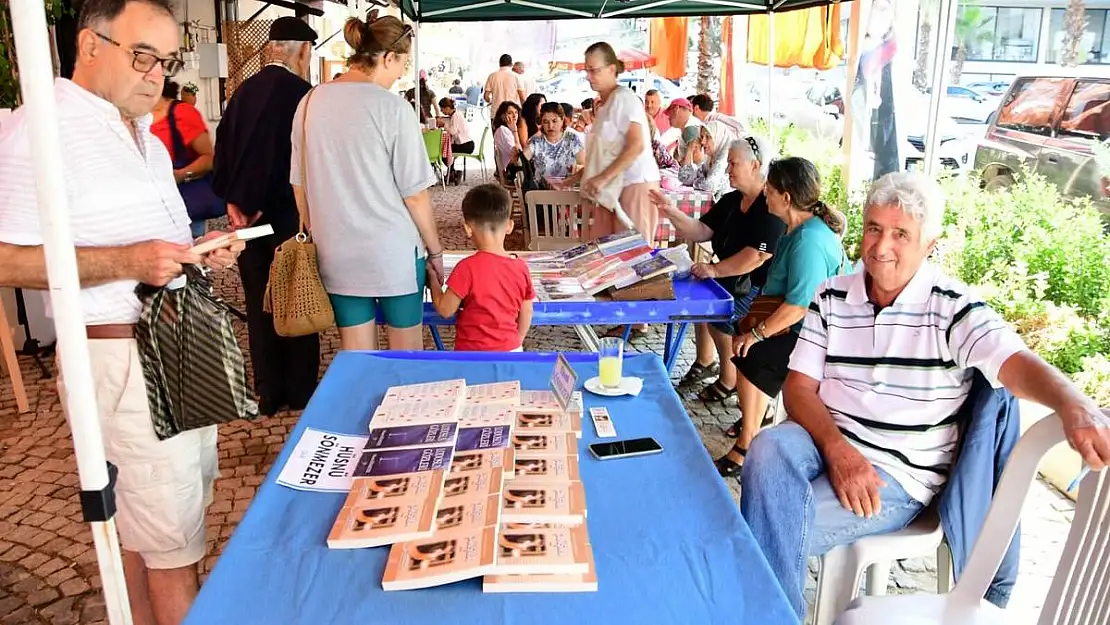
{"x": 382, "y": 522}
{"x": 549, "y": 423}
{"x": 444, "y": 558}
{"x": 622, "y": 274}
{"x": 430, "y": 391}
{"x": 486, "y": 415}
{"x": 545, "y": 444}
{"x": 485, "y": 437}
{"x": 544, "y": 401}
{"x": 621, "y": 242}
{"x": 472, "y": 486}
{"x": 567, "y": 582}
{"x": 481, "y": 460}
{"x": 393, "y": 437}
{"x": 531, "y": 469}
{"x": 406, "y": 486}
{"x": 577, "y": 252}
{"x": 415, "y": 413}
{"x": 374, "y": 463}
{"x": 635, "y": 255}
{"x": 554, "y": 551}
{"x": 595, "y": 274}
{"x": 544, "y": 503}
{"x": 461, "y": 513}
{"x": 496, "y": 393}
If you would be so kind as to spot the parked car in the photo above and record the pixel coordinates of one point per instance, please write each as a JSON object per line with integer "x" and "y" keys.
{"x": 573, "y": 87}
{"x": 995, "y": 88}
{"x": 1050, "y": 125}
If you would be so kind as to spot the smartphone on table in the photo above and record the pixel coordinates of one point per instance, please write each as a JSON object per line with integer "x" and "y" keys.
{"x": 625, "y": 449}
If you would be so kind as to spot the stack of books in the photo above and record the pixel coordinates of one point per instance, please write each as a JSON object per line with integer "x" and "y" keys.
{"x": 579, "y": 273}
{"x": 543, "y": 544}
{"x": 500, "y": 497}
{"x": 399, "y": 478}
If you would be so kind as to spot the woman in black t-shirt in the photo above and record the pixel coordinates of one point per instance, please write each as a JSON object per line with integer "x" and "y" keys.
{"x": 744, "y": 236}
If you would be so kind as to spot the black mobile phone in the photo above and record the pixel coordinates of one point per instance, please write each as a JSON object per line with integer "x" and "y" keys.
{"x": 625, "y": 449}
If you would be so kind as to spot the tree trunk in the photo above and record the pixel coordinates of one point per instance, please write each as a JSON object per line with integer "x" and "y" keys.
{"x": 924, "y": 47}
{"x": 705, "y": 63}
{"x": 958, "y": 65}
{"x": 1075, "y": 26}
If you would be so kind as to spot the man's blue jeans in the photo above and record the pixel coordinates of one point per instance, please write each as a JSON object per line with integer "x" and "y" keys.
{"x": 794, "y": 513}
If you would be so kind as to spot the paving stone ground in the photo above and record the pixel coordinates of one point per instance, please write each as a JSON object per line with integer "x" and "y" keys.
{"x": 48, "y": 569}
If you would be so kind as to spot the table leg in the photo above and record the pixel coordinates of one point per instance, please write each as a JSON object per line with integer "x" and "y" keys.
{"x": 589, "y": 338}
{"x": 436, "y": 337}
{"x": 673, "y": 349}
{"x": 11, "y": 364}
{"x": 627, "y": 333}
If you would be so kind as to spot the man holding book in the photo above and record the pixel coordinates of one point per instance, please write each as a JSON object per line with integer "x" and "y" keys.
{"x": 880, "y": 372}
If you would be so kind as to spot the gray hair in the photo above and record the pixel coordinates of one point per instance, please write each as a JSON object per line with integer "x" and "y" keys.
{"x": 766, "y": 152}
{"x": 284, "y": 50}
{"x": 917, "y": 195}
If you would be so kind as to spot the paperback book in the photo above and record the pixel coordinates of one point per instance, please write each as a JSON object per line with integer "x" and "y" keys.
{"x": 620, "y": 242}
{"x": 544, "y": 401}
{"x": 544, "y": 469}
{"x": 549, "y": 423}
{"x": 384, "y": 511}
{"x": 415, "y": 413}
{"x": 487, "y": 415}
{"x": 472, "y": 486}
{"x": 551, "y": 551}
{"x": 462, "y": 513}
{"x": 544, "y": 503}
{"x": 448, "y": 390}
{"x": 377, "y": 463}
{"x": 482, "y": 460}
{"x": 485, "y": 437}
{"x": 545, "y": 444}
{"x": 567, "y": 582}
{"x": 444, "y": 558}
{"x": 407, "y": 436}
{"x": 496, "y": 393}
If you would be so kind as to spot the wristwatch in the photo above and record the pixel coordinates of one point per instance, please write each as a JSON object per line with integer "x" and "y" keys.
{"x": 189, "y": 176}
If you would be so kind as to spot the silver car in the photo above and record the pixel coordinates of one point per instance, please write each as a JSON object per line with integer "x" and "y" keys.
{"x": 1051, "y": 126}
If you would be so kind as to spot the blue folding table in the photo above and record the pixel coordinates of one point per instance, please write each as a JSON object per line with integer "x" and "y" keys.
{"x": 669, "y": 543}
{"x": 695, "y": 301}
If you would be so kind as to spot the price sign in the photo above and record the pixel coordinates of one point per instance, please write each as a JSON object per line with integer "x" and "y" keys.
{"x": 563, "y": 381}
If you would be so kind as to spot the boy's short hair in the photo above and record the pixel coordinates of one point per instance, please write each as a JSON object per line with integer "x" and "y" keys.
{"x": 486, "y": 205}
{"x": 446, "y": 103}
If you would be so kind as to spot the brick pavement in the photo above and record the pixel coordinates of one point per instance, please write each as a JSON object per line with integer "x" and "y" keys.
{"x": 48, "y": 569}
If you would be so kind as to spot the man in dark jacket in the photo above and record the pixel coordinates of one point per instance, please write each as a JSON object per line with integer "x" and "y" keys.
{"x": 251, "y": 173}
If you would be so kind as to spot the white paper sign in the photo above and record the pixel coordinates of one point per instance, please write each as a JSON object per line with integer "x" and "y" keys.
{"x": 322, "y": 461}
{"x": 563, "y": 380}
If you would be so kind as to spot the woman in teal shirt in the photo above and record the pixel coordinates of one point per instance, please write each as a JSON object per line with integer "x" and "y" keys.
{"x": 808, "y": 254}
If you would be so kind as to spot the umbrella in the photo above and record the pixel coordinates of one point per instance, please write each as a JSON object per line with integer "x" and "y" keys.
{"x": 632, "y": 59}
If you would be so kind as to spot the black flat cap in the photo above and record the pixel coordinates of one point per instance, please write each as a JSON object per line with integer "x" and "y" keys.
{"x": 291, "y": 29}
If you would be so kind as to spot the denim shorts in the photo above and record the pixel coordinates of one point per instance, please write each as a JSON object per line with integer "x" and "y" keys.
{"x": 400, "y": 311}
{"x": 740, "y": 307}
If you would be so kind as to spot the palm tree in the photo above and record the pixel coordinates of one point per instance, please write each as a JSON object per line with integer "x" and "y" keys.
{"x": 921, "y": 72}
{"x": 705, "y": 63}
{"x": 1075, "y": 27}
{"x": 971, "y": 30}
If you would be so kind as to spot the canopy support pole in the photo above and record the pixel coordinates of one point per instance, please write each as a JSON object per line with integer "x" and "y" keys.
{"x": 770, "y": 76}
{"x": 855, "y": 23}
{"x": 941, "y": 70}
{"x": 416, "y": 67}
{"x": 37, "y": 85}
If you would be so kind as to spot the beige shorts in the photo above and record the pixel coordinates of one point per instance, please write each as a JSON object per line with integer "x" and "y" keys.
{"x": 163, "y": 487}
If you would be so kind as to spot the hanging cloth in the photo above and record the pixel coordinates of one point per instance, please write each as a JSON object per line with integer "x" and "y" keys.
{"x": 669, "y": 40}
{"x": 726, "y": 99}
{"x": 807, "y": 38}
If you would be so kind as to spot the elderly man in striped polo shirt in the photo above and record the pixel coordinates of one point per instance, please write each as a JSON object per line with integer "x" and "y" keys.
{"x": 882, "y": 365}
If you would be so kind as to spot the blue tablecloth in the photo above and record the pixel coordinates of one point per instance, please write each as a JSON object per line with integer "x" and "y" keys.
{"x": 670, "y": 545}
{"x": 695, "y": 300}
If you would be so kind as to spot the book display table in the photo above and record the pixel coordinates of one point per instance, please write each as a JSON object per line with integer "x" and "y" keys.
{"x": 669, "y": 543}
{"x": 695, "y": 301}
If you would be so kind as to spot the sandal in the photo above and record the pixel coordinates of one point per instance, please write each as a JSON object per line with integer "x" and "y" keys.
{"x": 730, "y": 468}
{"x": 617, "y": 332}
{"x": 733, "y": 431}
{"x": 699, "y": 372}
{"x": 715, "y": 392}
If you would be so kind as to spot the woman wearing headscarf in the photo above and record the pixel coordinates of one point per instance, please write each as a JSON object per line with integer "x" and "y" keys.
{"x": 705, "y": 167}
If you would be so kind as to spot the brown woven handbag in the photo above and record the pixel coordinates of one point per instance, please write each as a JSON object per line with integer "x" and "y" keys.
{"x": 762, "y": 307}
{"x": 295, "y": 295}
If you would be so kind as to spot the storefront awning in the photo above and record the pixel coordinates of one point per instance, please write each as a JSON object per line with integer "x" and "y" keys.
{"x": 427, "y": 11}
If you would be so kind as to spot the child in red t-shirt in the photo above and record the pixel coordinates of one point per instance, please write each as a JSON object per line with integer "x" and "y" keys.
{"x": 493, "y": 288}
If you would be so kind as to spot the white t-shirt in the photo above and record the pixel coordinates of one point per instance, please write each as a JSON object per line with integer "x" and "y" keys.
{"x": 612, "y": 121}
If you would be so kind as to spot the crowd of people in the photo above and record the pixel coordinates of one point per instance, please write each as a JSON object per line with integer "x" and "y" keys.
{"x": 874, "y": 366}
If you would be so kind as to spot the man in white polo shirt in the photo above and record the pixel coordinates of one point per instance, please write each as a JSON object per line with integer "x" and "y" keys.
{"x": 130, "y": 226}
{"x": 882, "y": 365}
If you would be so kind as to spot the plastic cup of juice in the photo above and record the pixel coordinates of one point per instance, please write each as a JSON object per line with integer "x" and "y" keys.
{"x": 610, "y": 356}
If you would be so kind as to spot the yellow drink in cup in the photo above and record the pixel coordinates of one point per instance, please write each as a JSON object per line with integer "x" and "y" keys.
{"x": 610, "y": 358}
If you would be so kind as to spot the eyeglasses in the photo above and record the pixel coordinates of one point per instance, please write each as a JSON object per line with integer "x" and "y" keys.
{"x": 144, "y": 62}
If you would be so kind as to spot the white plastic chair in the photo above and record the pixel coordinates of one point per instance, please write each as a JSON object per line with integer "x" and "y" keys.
{"x": 842, "y": 568}
{"x": 1080, "y": 592}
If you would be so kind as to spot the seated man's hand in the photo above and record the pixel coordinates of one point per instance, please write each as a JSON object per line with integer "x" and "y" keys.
{"x": 854, "y": 480}
{"x": 1088, "y": 431}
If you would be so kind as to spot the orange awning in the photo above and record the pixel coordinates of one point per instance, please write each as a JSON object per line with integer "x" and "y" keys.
{"x": 669, "y": 39}
{"x": 808, "y": 38}
{"x": 632, "y": 59}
